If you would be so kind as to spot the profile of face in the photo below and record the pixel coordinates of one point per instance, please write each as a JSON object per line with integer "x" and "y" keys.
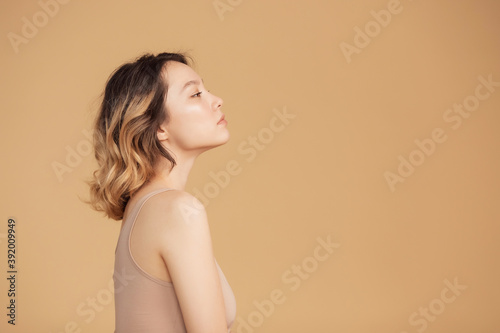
{"x": 194, "y": 114}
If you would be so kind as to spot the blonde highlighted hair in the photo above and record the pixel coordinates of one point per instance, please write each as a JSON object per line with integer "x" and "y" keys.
{"x": 126, "y": 145}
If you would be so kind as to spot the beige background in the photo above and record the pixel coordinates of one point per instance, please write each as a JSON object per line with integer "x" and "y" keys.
{"x": 321, "y": 175}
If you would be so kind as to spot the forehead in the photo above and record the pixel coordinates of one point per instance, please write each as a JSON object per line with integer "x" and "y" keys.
{"x": 177, "y": 74}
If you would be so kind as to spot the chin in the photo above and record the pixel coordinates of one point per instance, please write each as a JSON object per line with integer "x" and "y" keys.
{"x": 224, "y": 138}
{"x": 222, "y": 142}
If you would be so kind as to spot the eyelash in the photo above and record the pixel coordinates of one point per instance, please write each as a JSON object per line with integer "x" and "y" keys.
{"x": 198, "y": 94}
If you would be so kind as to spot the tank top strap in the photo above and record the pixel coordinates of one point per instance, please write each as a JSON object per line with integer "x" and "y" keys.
{"x": 137, "y": 206}
{"x": 133, "y": 211}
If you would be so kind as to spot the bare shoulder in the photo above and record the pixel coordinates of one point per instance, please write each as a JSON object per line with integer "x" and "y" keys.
{"x": 182, "y": 239}
{"x": 175, "y": 208}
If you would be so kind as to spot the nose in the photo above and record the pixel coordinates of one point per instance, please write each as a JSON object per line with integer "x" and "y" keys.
{"x": 218, "y": 102}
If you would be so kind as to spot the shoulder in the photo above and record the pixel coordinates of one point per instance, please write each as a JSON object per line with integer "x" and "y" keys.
{"x": 175, "y": 207}
{"x": 182, "y": 239}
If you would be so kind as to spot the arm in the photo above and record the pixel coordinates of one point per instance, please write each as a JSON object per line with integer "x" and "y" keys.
{"x": 186, "y": 247}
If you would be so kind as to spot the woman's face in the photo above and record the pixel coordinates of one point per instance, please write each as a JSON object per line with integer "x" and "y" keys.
{"x": 194, "y": 113}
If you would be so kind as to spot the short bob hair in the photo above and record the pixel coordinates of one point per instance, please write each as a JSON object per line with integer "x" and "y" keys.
{"x": 125, "y": 139}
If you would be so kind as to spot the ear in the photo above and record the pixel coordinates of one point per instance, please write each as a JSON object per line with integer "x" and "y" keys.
{"x": 162, "y": 133}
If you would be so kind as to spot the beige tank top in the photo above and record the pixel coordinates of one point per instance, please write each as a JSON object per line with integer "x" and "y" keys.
{"x": 144, "y": 303}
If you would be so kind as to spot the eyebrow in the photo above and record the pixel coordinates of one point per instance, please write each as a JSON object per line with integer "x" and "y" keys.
{"x": 187, "y": 84}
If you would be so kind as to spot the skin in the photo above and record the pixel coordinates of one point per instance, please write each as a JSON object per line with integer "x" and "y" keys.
{"x": 192, "y": 127}
{"x": 172, "y": 227}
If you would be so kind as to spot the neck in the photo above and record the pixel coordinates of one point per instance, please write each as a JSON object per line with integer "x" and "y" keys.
{"x": 178, "y": 176}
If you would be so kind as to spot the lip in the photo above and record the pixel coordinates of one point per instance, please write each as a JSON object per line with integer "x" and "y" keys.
{"x": 222, "y": 120}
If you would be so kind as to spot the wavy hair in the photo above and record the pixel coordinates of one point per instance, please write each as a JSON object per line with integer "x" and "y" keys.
{"x": 126, "y": 145}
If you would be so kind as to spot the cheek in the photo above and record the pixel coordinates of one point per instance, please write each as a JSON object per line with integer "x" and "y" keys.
{"x": 192, "y": 120}
{"x": 191, "y": 128}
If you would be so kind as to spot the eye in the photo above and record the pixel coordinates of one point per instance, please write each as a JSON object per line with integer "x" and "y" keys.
{"x": 198, "y": 94}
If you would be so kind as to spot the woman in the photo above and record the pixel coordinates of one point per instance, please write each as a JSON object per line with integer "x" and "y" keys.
{"x": 155, "y": 119}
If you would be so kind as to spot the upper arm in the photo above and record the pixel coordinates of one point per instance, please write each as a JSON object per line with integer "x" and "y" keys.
{"x": 186, "y": 247}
